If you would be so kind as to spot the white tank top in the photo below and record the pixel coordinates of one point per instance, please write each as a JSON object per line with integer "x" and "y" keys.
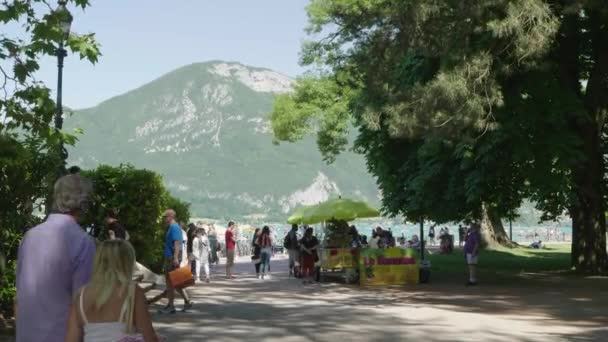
{"x": 106, "y": 331}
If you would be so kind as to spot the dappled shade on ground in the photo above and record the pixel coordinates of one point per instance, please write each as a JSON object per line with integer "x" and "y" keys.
{"x": 529, "y": 307}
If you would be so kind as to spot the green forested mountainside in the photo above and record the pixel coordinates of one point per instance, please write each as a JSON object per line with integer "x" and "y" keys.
{"x": 204, "y": 128}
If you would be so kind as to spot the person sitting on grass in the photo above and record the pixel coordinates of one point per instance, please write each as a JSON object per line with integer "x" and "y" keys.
{"x": 414, "y": 242}
{"x": 537, "y": 244}
{"x": 471, "y": 251}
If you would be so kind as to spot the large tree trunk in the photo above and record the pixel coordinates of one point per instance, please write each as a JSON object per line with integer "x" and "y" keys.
{"x": 492, "y": 231}
{"x": 588, "y": 208}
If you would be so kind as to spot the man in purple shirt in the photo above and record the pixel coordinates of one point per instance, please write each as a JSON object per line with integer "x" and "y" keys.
{"x": 471, "y": 250}
{"x": 55, "y": 259}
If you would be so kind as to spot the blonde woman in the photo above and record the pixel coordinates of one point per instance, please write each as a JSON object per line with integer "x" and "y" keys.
{"x": 111, "y": 307}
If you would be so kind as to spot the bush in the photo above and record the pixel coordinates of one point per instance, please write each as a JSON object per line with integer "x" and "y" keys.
{"x": 7, "y": 288}
{"x": 141, "y": 199}
{"x": 26, "y": 172}
{"x": 182, "y": 209}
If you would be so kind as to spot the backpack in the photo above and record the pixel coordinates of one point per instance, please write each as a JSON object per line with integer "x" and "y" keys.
{"x": 288, "y": 242}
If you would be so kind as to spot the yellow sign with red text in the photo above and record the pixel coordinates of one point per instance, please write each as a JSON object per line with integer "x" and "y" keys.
{"x": 390, "y": 266}
{"x": 334, "y": 258}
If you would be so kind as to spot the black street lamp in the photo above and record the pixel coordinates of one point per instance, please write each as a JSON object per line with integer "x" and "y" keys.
{"x": 65, "y": 23}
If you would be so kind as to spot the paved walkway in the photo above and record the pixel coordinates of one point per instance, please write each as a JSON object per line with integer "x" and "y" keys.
{"x": 282, "y": 309}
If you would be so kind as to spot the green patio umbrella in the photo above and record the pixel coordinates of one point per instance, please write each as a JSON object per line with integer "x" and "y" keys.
{"x": 334, "y": 209}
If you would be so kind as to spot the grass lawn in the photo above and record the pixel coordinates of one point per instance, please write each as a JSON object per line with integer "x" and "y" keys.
{"x": 503, "y": 265}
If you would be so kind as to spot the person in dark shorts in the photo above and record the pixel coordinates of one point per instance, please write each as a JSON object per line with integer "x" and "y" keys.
{"x": 192, "y": 229}
{"x": 257, "y": 252}
{"x": 471, "y": 251}
{"x": 173, "y": 256}
{"x": 432, "y": 236}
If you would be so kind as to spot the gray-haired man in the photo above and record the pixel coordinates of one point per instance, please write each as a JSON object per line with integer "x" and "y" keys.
{"x": 55, "y": 260}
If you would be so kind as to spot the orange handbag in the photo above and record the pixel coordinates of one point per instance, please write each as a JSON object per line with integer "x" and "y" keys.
{"x": 181, "y": 277}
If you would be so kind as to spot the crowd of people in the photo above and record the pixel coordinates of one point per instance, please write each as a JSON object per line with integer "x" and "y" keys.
{"x": 71, "y": 289}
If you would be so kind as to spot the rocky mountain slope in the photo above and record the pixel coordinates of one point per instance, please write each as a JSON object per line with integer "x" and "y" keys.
{"x": 204, "y": 127}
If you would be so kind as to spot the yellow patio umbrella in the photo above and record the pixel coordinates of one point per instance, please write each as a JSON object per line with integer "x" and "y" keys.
{"x": 334, "y": 209}
{"x": 302, "y": 215}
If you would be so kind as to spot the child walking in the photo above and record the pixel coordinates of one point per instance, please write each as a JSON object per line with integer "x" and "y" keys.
{"x": 111, "y": 307}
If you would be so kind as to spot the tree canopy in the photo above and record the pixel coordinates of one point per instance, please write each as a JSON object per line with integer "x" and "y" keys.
{"x": 28, "y": 141}
{"x": 461, "y": 106}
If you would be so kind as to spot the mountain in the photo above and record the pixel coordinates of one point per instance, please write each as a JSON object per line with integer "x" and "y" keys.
{"x": 204, "y": 128}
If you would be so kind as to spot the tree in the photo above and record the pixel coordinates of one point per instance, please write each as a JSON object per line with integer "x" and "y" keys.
{"x": 141, "y": 197}
{"x": 505, "y": 94}
{"x": 28, "y": 144}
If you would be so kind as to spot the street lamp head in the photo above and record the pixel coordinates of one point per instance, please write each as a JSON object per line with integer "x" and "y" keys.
{"x": 65, "y": 19}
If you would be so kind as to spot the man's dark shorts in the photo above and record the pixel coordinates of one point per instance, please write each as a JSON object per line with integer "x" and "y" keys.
{"x": 169, "y": 264}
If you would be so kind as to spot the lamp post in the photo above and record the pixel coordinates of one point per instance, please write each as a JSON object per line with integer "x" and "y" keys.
{"x": 65, "y": 23}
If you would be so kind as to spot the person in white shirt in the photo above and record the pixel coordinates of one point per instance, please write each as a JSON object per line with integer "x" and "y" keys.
{"x": 200, "y": 251}
{"x": 373, "y": 243}
{"x": 184, "y": 260}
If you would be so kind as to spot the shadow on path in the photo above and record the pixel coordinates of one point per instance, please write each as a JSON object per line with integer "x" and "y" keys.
{"x": 282, "y": 309}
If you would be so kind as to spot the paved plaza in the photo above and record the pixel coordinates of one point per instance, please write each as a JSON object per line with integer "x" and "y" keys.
{"x": 282, "y": 309}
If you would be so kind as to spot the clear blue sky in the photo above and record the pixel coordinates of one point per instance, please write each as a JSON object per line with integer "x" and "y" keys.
{"x": 144, "y": 39}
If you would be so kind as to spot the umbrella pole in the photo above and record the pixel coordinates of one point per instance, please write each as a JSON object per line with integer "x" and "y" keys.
{"x": 422, "y": 242}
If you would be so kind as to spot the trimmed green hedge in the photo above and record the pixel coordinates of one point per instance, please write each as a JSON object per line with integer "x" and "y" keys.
{"x": 139, "y": 194}
{"x": 141, "y": 198}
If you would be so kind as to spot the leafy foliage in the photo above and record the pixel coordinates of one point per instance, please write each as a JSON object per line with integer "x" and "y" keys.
{"x": 26, "y": 103}
{"x": 25, "y": 172}
{"x": 28, "y": 143}
{"x": 462, "y": 106}
{"x": 141, "y": 198}
{"x": 182, "y": 208}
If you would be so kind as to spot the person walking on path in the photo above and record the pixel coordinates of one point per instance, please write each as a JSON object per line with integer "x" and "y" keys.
{"x": 191, "y": 233}
{"x": 200, "y": 247}
{"x": 55, "y": 260}
{"x": 265, "y": 243}
{"x": 471, "y": 251}
{"x": 309, "y": 245}
{"x": 111, "y": 307}
{"x": 293, "y": 247}
{"x": 230, "y": 249}
{"x": 173, "y": 255}
{"x": 431, "y": 236}
{"x": 256, "y": 258}
{"x": 213, "y": 243}
{"x": 184, "y": 247}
